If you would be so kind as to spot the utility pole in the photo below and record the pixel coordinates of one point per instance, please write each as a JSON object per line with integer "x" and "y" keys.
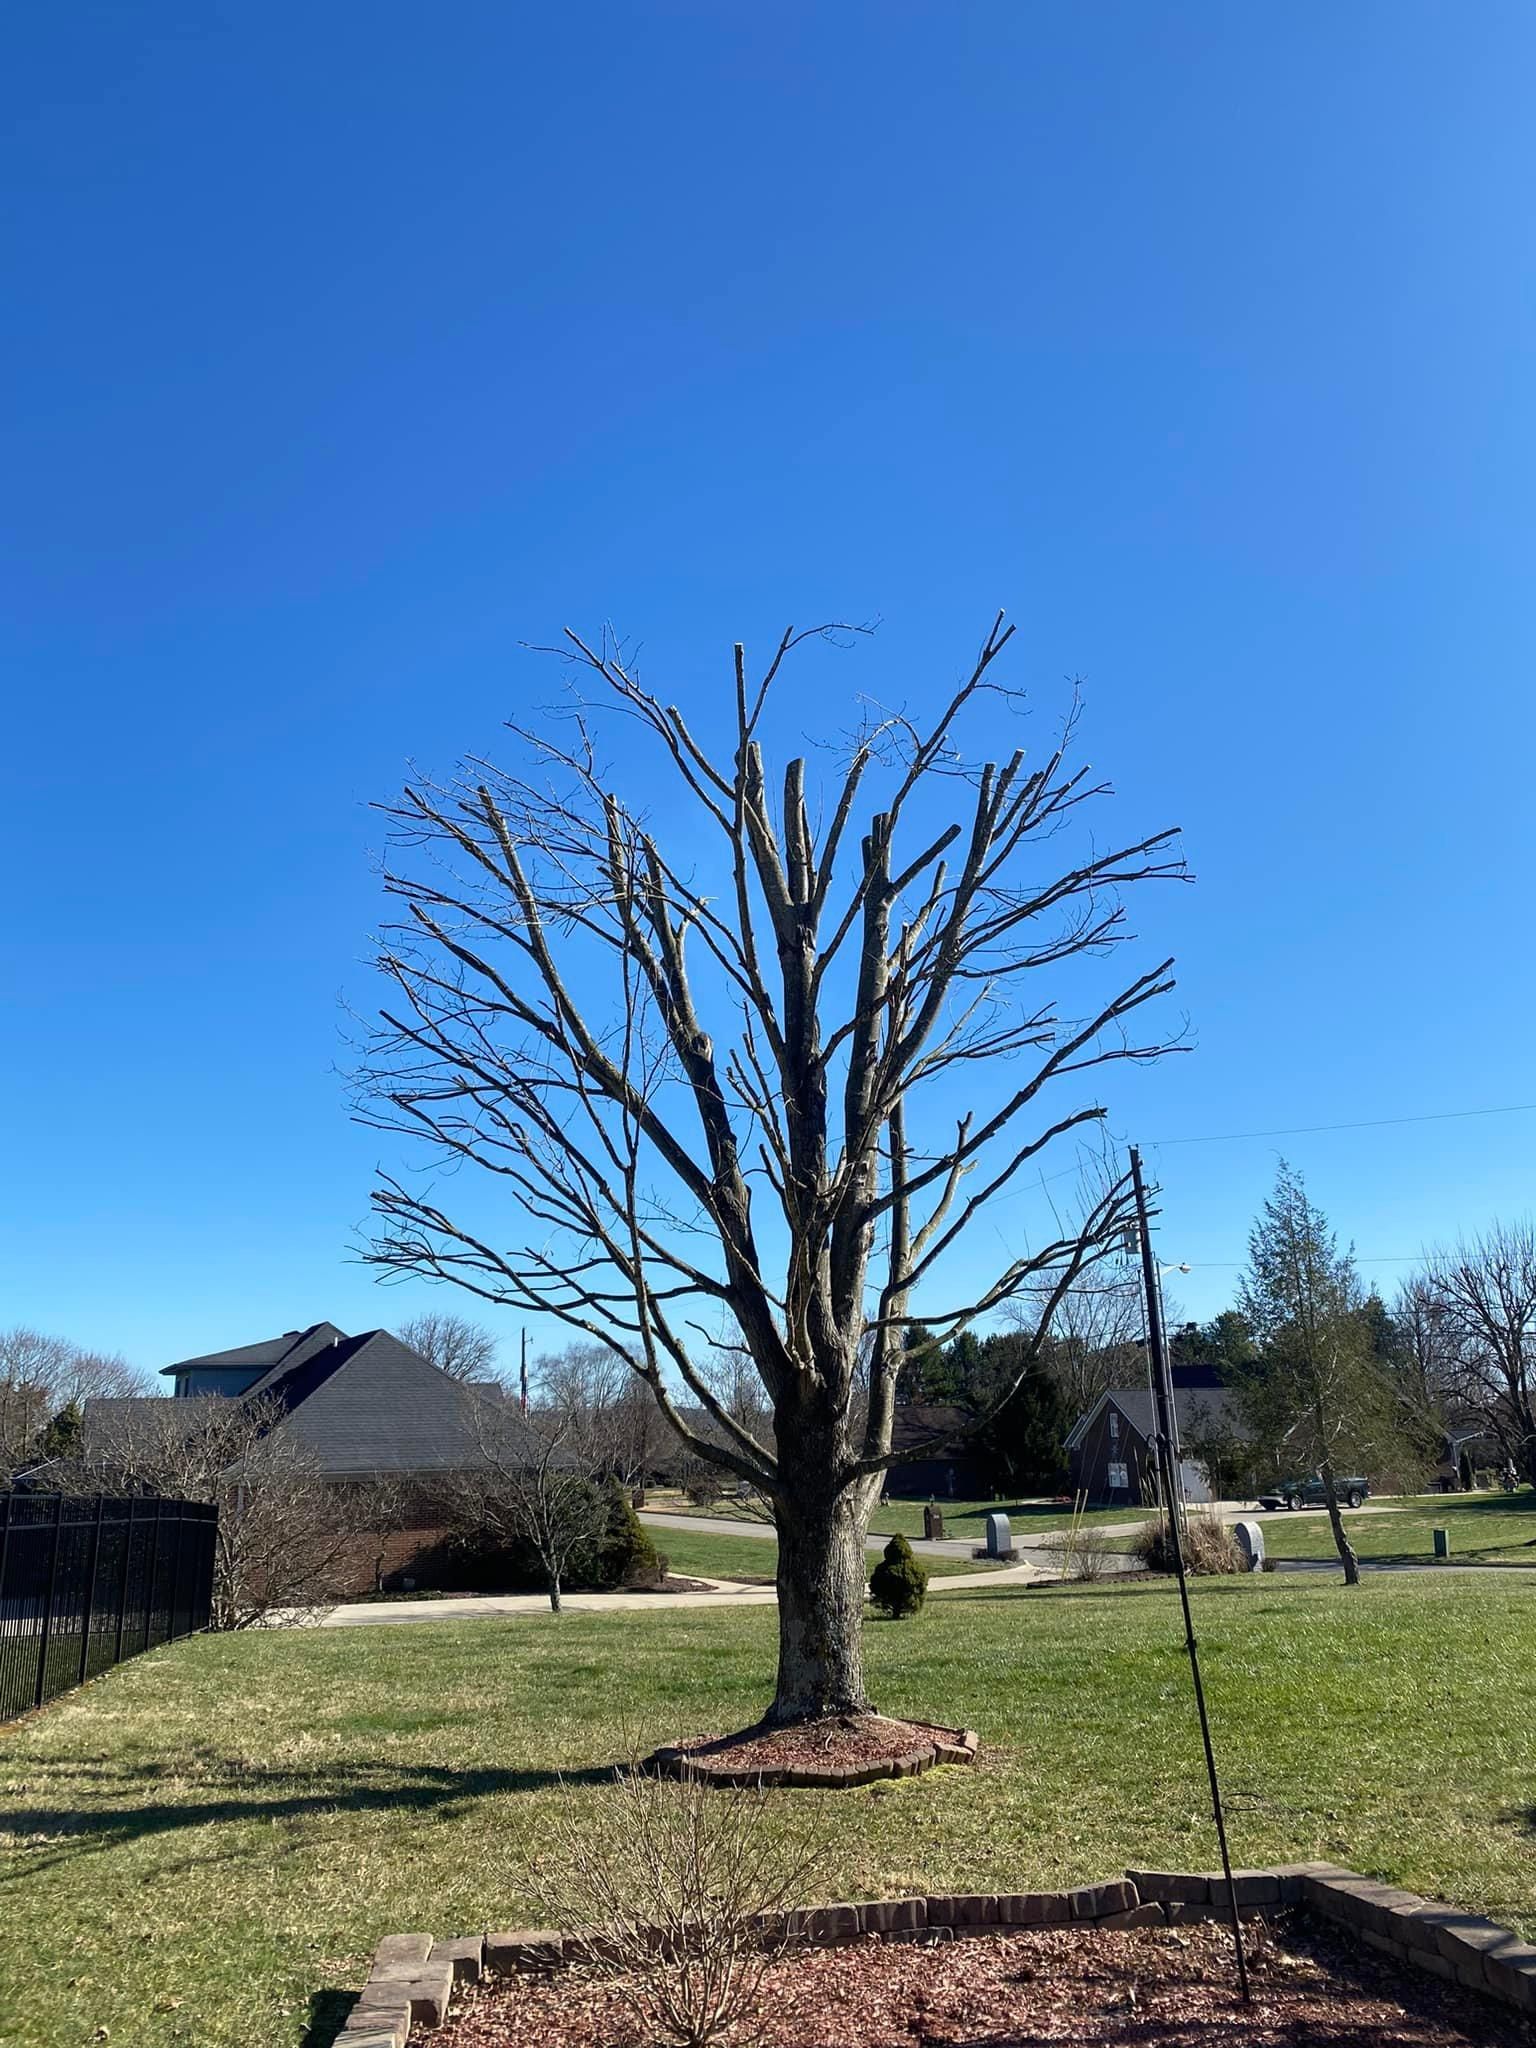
{"x": 1163, "y": 1385}
{"x": 523, "y": 1376}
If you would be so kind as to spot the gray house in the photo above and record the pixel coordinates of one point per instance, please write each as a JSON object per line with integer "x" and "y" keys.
{"x": 1112, "y": 1447}
{"x": 365, "y": 1407}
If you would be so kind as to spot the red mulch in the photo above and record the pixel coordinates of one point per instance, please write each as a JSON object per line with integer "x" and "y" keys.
{"x": 842, "y": 1739}
{"x": 1132, "y": 1988}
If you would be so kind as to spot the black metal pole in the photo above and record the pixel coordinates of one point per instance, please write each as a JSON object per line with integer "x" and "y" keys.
{"x": 122, "y": 1589}
{"x": 154, "y": 1573}
{"x": 53, "y": 1582}
{"x": 88, "y": 1610}
{"x": 1164, "y": 1388}
{"x": 172, "y": 1632}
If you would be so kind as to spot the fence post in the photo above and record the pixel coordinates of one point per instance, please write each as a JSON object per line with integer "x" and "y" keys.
{"x": 181, "y": 1537}
{"x": 122, "y": 1591}
{"x": 53, "y": 1582}
{"x": 208, "y": 1560}
{"x": 88, "y": 1610}
{"x": 154, "y": 1570}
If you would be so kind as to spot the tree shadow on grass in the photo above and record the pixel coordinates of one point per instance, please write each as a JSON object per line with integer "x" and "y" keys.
{"x": 262, "y": 1796}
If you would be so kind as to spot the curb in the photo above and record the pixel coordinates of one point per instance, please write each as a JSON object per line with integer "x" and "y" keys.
{"x": 413, "y": 1975}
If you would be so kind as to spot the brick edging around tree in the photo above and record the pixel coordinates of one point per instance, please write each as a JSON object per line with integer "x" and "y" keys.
{"x": 413, "y": 1975}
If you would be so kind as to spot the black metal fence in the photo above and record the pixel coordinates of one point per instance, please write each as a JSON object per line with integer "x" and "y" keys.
{"x": 87, "y": 1582}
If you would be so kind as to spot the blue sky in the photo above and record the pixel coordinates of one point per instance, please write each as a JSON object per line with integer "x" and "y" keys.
{"x": 348, "y": 349}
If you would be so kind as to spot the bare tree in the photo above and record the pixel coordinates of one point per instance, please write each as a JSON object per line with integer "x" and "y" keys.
{"x": 1481, "y": 1307}
{"x": 533, "y": 1483}
{"x": 608, "y": 1411}
{"x": 288, "y": 1540}
{"x": 1095, "y": 1338}
{"x": 41, "y": 1375}
{"x": 733, "y": 1087}
{"x": 456, "y": 1346}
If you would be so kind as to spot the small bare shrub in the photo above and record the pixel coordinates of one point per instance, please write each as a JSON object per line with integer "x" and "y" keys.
{"x": 677, "y": 1894}
{"x": 1086, "y": 1554}
{"x": 1210, "y": 1548}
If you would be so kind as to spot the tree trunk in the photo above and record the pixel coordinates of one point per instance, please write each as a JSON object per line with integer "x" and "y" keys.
{"x": 1528, "y": 1445}
{"x": 1346, "y": 1549}
{"x": 554, "y": 1587}
{"x": 821, "y": 1582}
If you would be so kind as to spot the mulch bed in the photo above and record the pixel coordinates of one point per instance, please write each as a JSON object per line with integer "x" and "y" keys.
{"x": 839, "y": 1739}
{"x": 1136, "y": 1988}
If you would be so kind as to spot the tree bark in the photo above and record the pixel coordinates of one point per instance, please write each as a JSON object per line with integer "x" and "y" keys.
{"x": 821, "y": 1581}
{"x": 1346, "y": 1549}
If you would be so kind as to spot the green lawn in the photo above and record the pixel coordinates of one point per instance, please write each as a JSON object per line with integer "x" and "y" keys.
{"x": 1484, "y": 1528}
{"x": 753, "y": 1559}
{"x": 212, "y": 1837}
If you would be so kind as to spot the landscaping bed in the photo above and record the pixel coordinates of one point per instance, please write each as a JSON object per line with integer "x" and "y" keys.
{"x": 1122, "y": 1988}
{"x": 840, "y": 1750}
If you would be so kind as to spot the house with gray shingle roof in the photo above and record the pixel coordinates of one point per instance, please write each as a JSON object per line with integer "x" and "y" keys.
{"x": 1112, "y": 1447}
{"x": 364, "y": 1407}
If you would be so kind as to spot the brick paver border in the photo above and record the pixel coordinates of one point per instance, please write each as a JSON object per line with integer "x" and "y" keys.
{"x": 413, "y": 1975}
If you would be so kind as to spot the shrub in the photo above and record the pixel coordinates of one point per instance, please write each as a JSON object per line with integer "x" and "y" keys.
{"x": 1086, "y": 1554}
{"x": 677, "y": 1898}
{"x": 1210, "y": 1547}
{"x": 626, "y": 1556}
{"x": 898, "y": 1584}
{"x": 702, "y": 1489}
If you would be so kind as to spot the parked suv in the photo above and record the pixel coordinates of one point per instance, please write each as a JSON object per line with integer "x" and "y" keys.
{"x": 1308, "y": 1493}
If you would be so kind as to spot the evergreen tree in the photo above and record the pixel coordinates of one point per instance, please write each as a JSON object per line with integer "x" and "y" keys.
{"x": 64, "y": 1435}
{"x": 929, "y": 1373}
{"x": 1025, "y": 1439}
{"x": 1315, "y": 1391}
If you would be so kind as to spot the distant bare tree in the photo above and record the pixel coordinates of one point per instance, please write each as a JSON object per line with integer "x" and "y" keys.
{"x": 692, "y": 1038}
{"x": 41, "y": 1375}
{"x": 1094, "y": 1342}
{"x": 1480, "y": 1300}
{"x": 456, "y": 1346}
{"x": 287, "y": 1540}
{"x": 606, "y": 1410}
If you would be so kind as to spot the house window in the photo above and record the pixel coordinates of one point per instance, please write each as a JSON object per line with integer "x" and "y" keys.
{"x": 1114, "y": 1425}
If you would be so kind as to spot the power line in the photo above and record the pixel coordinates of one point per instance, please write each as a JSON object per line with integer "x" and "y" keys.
{"x": 1377, "y": 1123}
{"x": 1370, "y": 1259}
